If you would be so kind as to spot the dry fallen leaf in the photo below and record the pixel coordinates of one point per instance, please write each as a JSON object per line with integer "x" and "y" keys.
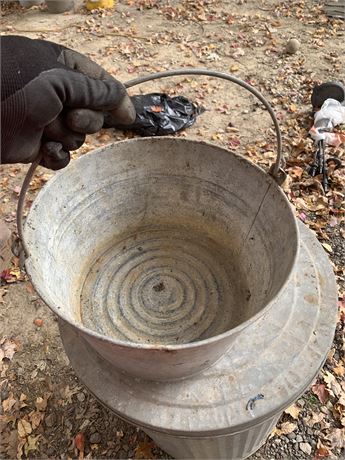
{"x": 36, "y": 418}
{"x": 9, "y": 440}
{"x": 314, "y": 418}
{"x": 287, "y": 184}
{"x": 320, "y": 390}
{"x": 3, "y": 292}
{"x": 285, "y": 428}
{"x": 17, "y": 189}
{"x": 144, "y": 450}
{"x": 8, "y": 348}
{"x": 79, "y": 442}
{"x": 8, "y": 403}
{"x": 41, "y": 403}
{"x": 68, "y": 393}
{"x": 30, "y": 288}
{"x": 294, "y": 411}
{"x": 22, "y": 400}
{"x": 327, "y": 246}
{"x": 339, "y": 411}
{"x": 31, "y": 444}
{"x": 337, "y": 438}
{"x": 328, "y": 378}
{"x": 334, "y": 388}
{"x": 24, "y": 428}
{"x": 288, "y": 427}
{"x": 339, "y": 370}
{"x": 20, "y": 445}
{"x": 321, "y": 451}
{"x": 296, "y": 172}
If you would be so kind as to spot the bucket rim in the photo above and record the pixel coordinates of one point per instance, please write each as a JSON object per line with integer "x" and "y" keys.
{"x": 170, "y": 347}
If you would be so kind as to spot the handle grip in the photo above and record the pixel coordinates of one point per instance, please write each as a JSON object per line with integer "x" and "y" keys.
{"x": 275, "y": 171}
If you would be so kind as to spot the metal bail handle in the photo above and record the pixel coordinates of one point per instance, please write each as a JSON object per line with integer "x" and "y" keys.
{"x": 23, "y": 250}
{"x": 275, "y": 170}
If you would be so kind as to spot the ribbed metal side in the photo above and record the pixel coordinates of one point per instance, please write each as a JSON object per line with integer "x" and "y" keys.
{"x": 166, "y": 286}
{"x": 176, "y": 253}
{"x": 235, "y": 446}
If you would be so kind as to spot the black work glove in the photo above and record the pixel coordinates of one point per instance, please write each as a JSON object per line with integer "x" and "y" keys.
{"x": 51, "y": 97}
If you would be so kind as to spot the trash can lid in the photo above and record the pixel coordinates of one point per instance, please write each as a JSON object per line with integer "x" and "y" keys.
{"x": 276, "y": 358}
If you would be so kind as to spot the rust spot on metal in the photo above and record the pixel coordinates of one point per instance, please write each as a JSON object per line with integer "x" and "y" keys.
{"x": 166, "y": 350}
{"x": 159, "y": 287}
{"x": 311, "y": 298}
{"x": 321, "y": 281}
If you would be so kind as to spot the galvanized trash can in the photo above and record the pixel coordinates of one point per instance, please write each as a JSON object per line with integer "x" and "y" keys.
{"x": 210, "y": 416}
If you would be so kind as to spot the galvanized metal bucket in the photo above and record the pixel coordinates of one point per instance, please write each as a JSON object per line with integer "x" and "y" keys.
{"x": 160, "y": 251}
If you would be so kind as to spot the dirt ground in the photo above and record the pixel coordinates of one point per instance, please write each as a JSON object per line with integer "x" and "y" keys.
{"x": 46, "y": 411}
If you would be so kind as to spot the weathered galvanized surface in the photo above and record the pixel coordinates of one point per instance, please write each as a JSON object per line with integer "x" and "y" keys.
{"x": 59, "y": 6}
{"x": 160, "y": 251}
{"x": 206, "y": 416}
{"x": 234, "y": 446}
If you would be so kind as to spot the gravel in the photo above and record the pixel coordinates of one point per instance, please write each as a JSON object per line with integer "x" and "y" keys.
{"x": 95, "y": 438}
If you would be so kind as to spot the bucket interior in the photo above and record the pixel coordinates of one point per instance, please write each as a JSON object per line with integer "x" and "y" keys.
{"x": 160, "y": 241}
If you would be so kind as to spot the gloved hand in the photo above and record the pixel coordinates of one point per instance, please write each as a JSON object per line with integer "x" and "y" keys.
{"x": 51, "y": 96}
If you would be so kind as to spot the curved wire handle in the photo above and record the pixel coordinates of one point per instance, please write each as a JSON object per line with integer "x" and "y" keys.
{"x": 275, "y": 171}
{"x": 21, "y": 201}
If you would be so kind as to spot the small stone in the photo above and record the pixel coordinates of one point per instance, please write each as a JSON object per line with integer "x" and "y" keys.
{"x": 291, "y": 436}
{"x": 95, "y": 438}
{"x": 104, "y": 138}
{"x": 38, "y": 322}
{"x": 50, "y": 451}
{"x": 4, "y": 394}
{"x": 305, "y": 447}
{"x": 293, "y": 45}
{"x": 68, "y": 424}
{"x": 299, "y": 438}
{"x": 50, "y": 419}
{"x": 81, "y": 397}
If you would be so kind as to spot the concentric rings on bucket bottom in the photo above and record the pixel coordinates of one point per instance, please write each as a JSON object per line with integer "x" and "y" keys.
{"x": 162, "y": 286}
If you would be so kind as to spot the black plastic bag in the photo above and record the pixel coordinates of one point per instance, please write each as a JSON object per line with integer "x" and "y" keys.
{"x": 159, "y": 115}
